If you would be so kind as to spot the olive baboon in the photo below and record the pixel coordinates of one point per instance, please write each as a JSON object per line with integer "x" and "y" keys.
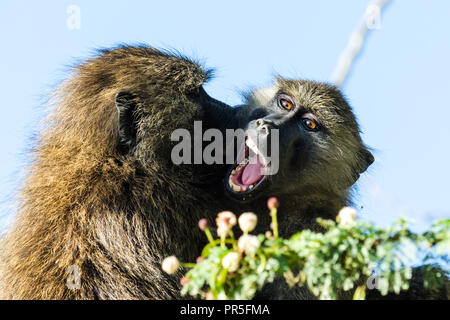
{"x": 102, "y": 194}
{"x": 321, "y": 156}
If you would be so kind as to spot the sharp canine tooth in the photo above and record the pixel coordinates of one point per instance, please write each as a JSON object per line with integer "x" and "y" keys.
{"x": 252, "y": 145}
{"x": 264, "y": 161}
{"x": 243, "y": 164}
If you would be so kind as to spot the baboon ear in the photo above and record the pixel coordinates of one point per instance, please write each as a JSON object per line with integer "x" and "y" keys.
{"x": 366, "y": 159}
{"x": 126, "y": 107}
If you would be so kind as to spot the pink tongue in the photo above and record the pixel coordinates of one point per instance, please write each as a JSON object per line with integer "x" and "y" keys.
{"x": 252, "y": 173}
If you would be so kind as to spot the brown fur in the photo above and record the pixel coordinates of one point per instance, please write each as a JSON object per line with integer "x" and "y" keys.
{"x": 84, "y": 204}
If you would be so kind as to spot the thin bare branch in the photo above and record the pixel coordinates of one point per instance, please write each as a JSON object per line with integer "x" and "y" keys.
{"x": 369, "y": 21}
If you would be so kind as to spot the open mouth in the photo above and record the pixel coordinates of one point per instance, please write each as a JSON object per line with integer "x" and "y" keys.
{"x": 247, "y": 174}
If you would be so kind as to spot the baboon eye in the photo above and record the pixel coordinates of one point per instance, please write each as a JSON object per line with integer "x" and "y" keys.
{"x": 286, "y": 104}
{"x": 310, "y": 124}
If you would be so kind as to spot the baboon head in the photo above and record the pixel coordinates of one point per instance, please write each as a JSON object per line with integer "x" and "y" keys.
{"x": 321, "y": 153}
{"x": 156, "y": 93}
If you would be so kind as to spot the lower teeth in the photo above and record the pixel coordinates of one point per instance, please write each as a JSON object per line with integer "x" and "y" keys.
{"x": 239, "y": 188}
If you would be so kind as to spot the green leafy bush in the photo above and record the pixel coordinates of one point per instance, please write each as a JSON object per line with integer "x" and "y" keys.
{"x": 345, "y": 257}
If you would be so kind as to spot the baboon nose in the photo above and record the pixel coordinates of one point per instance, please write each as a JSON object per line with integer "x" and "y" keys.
{"x": 263, "y": 126}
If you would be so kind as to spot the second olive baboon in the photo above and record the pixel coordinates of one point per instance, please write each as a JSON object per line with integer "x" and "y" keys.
{"x": 102, "y": 203}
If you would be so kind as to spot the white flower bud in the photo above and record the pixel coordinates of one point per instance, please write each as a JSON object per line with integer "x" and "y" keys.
{"x": 170, "y": 265}
{"x": 247, "y": 221}
{"x": 231, "y": 261}
{"x": 248, "y": 244}
{"x": 347, "y": 215}
{"x": 226, "y": 219}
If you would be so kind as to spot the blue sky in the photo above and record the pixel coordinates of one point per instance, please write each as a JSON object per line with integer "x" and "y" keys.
{"x": 398, "y": 88}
